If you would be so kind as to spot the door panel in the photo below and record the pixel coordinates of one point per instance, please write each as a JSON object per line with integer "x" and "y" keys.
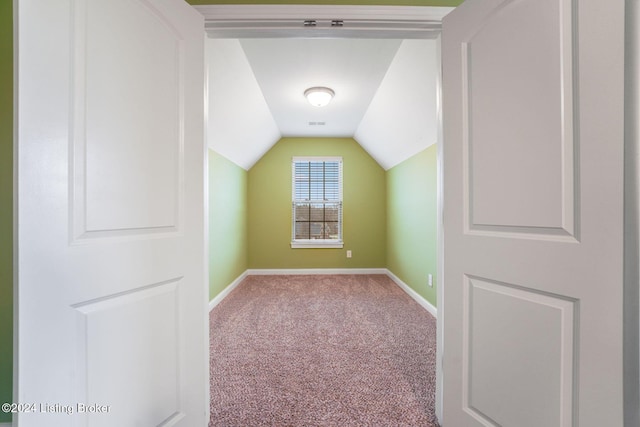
{"x": 525, "y": 190}
{"x": 533, "y": 130}
{"x": 140, "y": 64}
{"x": 510, "y": 333}
{"x": 137, "y": 333}
{"x": 112, "y": 295}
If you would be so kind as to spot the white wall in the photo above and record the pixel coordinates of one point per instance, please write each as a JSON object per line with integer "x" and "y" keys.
{"x": 632, "y": 214}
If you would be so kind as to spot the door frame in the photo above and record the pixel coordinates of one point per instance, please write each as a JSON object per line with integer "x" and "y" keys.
{"x": 632, "y": 215}
{"x": 415, "y": 15}
{"x": 403, "y": 22}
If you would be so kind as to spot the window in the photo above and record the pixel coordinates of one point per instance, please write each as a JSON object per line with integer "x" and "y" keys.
{"x": 317, "y": 202}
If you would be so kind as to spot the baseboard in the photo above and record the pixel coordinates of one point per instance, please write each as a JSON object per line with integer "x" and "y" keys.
{"x": 222, "y": 294}
{"x": 6, "y": 424}
{"x": 289, "y": 271}
{"x": 413, "y": 294}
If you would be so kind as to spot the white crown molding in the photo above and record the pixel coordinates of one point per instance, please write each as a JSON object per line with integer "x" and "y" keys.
{"x": 237, "y": 21}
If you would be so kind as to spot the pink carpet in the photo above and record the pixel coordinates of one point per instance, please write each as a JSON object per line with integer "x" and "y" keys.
{"x": 346, "y": 350}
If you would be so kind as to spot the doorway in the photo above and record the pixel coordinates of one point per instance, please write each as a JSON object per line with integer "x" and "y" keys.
{"x": 294, "y": 23}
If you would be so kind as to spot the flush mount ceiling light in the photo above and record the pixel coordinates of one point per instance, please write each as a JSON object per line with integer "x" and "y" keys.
{"x": 319, "y": 96}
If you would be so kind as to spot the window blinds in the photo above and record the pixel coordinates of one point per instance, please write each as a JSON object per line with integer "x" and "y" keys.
{"x": 317, "y": 199}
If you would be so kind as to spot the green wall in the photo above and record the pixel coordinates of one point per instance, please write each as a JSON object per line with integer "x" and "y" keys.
{"x": 6, "y": 204}
{"x": 412, "y": 222}
{"x": 364, "y": 222}
{"x": 227, "y": 222}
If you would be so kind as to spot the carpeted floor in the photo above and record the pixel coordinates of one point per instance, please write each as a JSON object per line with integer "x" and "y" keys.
{"x": 346, "y": 350}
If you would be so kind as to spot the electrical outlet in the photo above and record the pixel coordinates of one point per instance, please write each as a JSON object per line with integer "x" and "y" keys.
{"x": 348, "y": 254}
{"x": 431, "y": 280}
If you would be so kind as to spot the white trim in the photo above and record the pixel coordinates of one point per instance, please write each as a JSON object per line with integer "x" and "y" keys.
{"x": 6, "y": 424}
{"x": 207, "y": 237}
{"x": 291, "y": 271}
{"x": 632, "y": 215}
{"x": 413, "y": 294}
{"x": 241, "y": 12}
{"x": 226, "y": 291}
{"x": 440, "y": 235}
{"x": 16, "y": 183}
{"x": 316, "y": 159}
{"x": 317, "y": 244}
{"x": 364, "y": 21}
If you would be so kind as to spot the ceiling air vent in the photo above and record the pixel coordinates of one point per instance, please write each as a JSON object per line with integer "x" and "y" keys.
{"x": 317, "y": 123}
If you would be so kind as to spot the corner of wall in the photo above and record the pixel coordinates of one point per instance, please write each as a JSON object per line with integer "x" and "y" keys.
{"x": 412, "y": 222}
{"x": 227, "y": 222}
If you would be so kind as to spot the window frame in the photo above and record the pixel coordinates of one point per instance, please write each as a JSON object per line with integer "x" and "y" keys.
{"x": 316, "y": 243}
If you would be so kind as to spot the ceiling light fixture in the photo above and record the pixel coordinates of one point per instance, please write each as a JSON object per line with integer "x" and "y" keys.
{"x": 319, "y": 96}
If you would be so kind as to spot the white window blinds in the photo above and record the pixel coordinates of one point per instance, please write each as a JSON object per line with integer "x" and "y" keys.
{"x": 317, "y": 200}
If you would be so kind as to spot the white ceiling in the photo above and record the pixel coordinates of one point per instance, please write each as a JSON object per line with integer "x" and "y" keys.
{"x": 401, "y": 119}
{"x": 241, "y": 127}
{"x": 385, "y": 94}
{"x": 353, "y": 68}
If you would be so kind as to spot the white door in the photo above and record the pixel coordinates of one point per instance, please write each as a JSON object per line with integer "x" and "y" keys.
{"x": 533, "y": 181}
{"x": 112, "y": 302}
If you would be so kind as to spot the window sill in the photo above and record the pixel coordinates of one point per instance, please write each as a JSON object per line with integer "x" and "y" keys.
{"x": 317, "y": 244}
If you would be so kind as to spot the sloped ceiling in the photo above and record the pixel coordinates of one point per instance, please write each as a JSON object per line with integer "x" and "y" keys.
{"x": 401, "y": 119}
{"x": 285, "y": 68}
{"x": 240, "y": 127}
{"x": 385, "y": 94}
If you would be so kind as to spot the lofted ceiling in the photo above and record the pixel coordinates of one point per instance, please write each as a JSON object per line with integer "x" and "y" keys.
{"x": 353, "y": 68}
{"x": 385, "y": 94}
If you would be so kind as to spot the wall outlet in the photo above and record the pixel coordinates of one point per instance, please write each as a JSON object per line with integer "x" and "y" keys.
{"x": 348, "y": 254}
{"x": 431, "y": 280}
